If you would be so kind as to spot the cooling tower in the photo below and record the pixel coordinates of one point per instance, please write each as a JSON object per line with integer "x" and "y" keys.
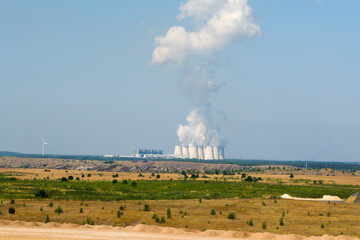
{"x": 193, "y": 152}
{"x": 221, "y": 153}
{"x": 209, "y": 155}
{"x": 185, "y": 151}
{"x": 178, "y": 151}
{"x": 200, "y": 152}
{"x": 216, "y": 153}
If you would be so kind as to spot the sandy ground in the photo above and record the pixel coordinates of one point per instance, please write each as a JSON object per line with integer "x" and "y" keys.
{"x": 16, "y": 230}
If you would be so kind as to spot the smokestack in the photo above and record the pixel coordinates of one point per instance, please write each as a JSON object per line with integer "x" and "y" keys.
{"x": 221, "y": 153}
{"x": 200, "y": 152}
{"x": 178, "y": 151}
{"x": 193, "y": 152}
{"x": 216, "y": 152}
{"x": 185, "y": 151}
{"x": 209, "y": 155}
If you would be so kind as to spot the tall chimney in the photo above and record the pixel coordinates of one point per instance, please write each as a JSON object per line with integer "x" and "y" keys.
{"x": 185, "y": 151}
{"x": 193, "y": 152}
{"x": 201, "y": 152}
{"x": 178, "y": 151}
{"x": 216, "y": 152}
{"x": 209, "y": 155}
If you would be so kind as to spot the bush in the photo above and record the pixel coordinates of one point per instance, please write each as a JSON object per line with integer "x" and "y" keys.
{"x": 133, "y": 184}
{"x": 212, "y": 212}
{"x": 41, "y": 193}
{"x": 77, "y": 179}
{"x": 322, "y": 226}
{"x": 263, "y": 226}
{"x": 124, "y": 181}
{"x": 51, "y": 204}
{"x": 114, "y": 181}
{"x": 89, "y": 221}
{"x": 118, "y": 214}
{"x": 231, "y": 215}
{"x": 81, "y": 210}
{"x": 249, "y": 179}
{"x": 281, "y": 222}
{"x": 89, "y": 175}
{"x": 12, "y": 201}
{"x": 47, "y": 219}
{"x": 64, "y": 179}
{"x": 168, "y": 213}
{"x": 250, "y": 223}
{"x": 158, "y": 176}
{"x": 11, "y": 210}
{"x": 70, "y": 178}
{"x": 162, "y": 220}
{"x": 58, "y": 210}
{"x": 263, "y": 203}
{"x": 291, "y": 176}
{"x": 146, "y": 207}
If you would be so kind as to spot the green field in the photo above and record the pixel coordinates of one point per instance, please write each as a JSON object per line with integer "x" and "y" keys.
{"x": 162, "y": 189}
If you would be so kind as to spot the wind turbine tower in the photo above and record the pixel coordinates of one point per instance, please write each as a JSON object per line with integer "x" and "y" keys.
{"x": 43, "y": 146}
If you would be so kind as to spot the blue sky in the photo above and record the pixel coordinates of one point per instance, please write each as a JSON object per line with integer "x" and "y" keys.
{"x": 79, "y": 74}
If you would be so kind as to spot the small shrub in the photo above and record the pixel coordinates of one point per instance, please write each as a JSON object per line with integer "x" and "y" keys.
{"x": 114, "y": 181}
{"x": 89, "y": 221}
{"x": 291, "y": 175}
{"x": 81, "y": 210}
{"x": 146, "y": 207}
{"x": 263, "y": 226}
{"x": 89, "y": 175}
{"x": 118, "y": 214}
{"x": 200, "y": 200}
{"x": 308, "y": 213}
{"x": 168, "y": 213}
{"x": 263, "y": 203}
{"x": 275, "y": 201}
{"x": 42, "y": 194}
{"x": 231, "y": 215}
{"x": 320, "y": 214}
{"x": 47, "y": 219}
{"x": 328, "y": 214}
{"x": 154, "y": 216}
{"x": 70, "y": 178}
{"x": 283, "y": 214}
{"x": 158, "y": 176}
{"x": 58, "y": 210}
{"x": 11, "y": 210}
{"x": 12, "y": 201}
{"x": 64, "y": 179}
{"x": 281, "y": 222}
{"x": 162, "y": 220}
{"x": 322, "y": 225}
{"x": 121, "y": 208}
{"x": 133, "y": 184}
{"x": 124, "y": 181}
{"x": 51, "y": 204}
{"x": 77, "y": 179}
{"x": 250, "y": 223}
{"x": 212, "y": 212}
{"x": 41, "y": 209}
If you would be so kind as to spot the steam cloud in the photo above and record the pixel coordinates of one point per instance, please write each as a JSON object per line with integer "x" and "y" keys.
{"x": 222, "y": 21}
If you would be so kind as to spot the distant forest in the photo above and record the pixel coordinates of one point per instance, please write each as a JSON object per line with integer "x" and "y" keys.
{"x": 241, "y": 162}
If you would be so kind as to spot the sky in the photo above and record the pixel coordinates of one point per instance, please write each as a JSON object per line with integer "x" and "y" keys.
{"x": 80, "y": 74}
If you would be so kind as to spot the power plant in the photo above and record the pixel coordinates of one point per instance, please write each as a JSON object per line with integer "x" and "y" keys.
{"x": 198, "y": 152}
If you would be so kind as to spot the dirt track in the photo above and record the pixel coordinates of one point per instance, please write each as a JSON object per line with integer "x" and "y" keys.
{"x": 53, "y": 231}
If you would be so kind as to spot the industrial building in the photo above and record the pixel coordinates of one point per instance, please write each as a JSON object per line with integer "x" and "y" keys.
{"x": 199, "y": 152}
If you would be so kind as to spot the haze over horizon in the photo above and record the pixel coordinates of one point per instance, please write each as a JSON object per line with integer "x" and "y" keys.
{"x": 79, "y": 73}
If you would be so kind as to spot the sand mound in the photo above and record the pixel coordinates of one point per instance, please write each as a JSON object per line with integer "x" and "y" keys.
{"x": 324, "y": 198}
{"x": 354, "y": 198}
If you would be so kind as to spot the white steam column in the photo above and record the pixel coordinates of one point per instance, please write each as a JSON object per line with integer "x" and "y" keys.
{"x": 193, "y": 152}
{"x": 221, "y": 153}
{"x": 209, "y": 155}
{"x": 185, "y": 151}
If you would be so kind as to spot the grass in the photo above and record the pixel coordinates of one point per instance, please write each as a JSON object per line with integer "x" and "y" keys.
{"x": 165, "y": 189}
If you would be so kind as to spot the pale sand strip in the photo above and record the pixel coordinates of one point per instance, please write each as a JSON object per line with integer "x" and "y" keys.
{"x": 18, "y": 230}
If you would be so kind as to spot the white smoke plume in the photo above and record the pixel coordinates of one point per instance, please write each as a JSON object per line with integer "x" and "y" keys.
{"x": 225, "y": 21}
{"x": 221, "y": 22}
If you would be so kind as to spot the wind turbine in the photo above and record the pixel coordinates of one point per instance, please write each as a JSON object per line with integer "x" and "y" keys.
{"x": 43, "y": 146}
